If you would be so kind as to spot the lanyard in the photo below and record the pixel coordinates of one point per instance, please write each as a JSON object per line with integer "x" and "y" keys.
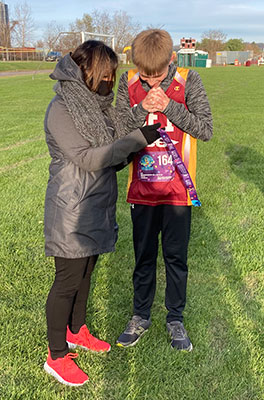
{"x": 179, "y": 164}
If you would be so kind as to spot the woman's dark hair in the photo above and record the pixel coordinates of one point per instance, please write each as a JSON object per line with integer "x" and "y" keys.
{"x": 96, "y": 60}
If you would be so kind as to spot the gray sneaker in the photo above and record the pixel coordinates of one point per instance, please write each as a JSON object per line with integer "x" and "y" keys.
{"x": 136, "y": 327}
{"x": 179, "y": 336}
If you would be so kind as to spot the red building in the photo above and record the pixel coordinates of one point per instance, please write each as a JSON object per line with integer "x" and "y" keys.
{"x": 188, "y": 43}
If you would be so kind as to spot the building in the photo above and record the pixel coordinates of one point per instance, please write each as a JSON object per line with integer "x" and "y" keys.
{"x": 192, "y": 58}
{"x": 187, "y": 56}
{"x": 4, "y": 18}
{"x": 4, "y": 25}
{"x": 229, "y": 57}
{"x": 188, "y": 43}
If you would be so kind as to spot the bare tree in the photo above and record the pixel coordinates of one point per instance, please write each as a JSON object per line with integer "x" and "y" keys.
{"x": 23, "y": 31}
{"x": 6, "y": 30}
{"x": 151, "y": 26}
{"x": 68, "y": 42}
{"x": 123, "y": 29}
{"x": 50, "y": 36}
{"x": 212, "y": 41}
{"x": 57, "y": 38}
{"x": 216, "y": 35}
{"x": 39, "y": 44}
{"x": 253, "y": 47}
{"x": 102, "y": 22}
{"x": 119, "y": 24}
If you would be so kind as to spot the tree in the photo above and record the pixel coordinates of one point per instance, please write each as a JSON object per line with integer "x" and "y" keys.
{"x": 102, "y": 22}
{"x": 50, "y": 37}
{"x": 212, "y": 34}
{"x": 234, "y": 45}
{"x": 83, "y": 25}
{"x": 98, "y": 22}
{"x": 57, "y": 38}
{"x": 123, "y": 29}
{"x": 212, "y": 41}
{"x": 68, "y": 42}
{"x": 253, "y": 47}
{"x": 119, "y": 24}
{"x": 39, "y": 44}
{"x": 23, "y": 31}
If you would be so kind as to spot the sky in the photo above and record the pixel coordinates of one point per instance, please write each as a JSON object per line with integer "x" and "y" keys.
{"x": 238, "y": 19}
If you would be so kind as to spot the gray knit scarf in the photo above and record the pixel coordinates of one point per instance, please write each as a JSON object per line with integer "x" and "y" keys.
{"x": 91, "y": 113}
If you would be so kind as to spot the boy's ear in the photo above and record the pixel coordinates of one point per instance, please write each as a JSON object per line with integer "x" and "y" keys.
{"x": 173, "y": 56}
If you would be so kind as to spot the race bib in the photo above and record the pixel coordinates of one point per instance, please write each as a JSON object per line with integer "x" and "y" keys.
{"x": 155, "y": 167}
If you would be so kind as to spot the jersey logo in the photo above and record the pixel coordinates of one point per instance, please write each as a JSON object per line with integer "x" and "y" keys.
{"x": 161, "y": 144}
{"x": 146, "y": 162}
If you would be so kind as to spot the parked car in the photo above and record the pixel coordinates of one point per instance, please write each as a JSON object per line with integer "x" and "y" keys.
{"x": 53, "y": 56}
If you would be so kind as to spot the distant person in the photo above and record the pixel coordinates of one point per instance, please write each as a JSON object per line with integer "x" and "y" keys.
{"x": 86, "y": 140}
{"x": 158, "y": 91}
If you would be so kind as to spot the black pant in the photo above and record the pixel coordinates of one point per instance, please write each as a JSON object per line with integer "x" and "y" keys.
{"x": 174, "y": 224}
{"x": 67, "y": 299}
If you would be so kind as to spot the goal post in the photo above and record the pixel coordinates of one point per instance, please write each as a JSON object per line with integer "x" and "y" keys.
{"x": 87, "y": 35}
{"x": 68, "y": 41}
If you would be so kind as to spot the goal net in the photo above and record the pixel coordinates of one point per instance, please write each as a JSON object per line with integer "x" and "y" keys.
{"x": 108, "y": 39}
{"x": 68, "y": 41}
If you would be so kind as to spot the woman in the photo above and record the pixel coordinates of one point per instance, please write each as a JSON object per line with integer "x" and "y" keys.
{"x": 86, "y": 141}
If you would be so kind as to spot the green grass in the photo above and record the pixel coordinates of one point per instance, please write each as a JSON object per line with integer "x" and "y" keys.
{"x": 33, "y": 65}
{"x": 25, "y": 65}
{"x": 225, "y": 308}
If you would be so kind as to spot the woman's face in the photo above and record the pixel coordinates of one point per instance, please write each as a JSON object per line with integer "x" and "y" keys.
{"x": 106, "y": 85}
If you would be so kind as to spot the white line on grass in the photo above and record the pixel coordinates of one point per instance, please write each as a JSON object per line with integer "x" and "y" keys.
{"x": 18, "y": 164}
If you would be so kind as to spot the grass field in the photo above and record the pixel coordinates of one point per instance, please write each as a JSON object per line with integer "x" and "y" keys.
{"x": 225, "y": 308}
{"x": 25, "y": 65}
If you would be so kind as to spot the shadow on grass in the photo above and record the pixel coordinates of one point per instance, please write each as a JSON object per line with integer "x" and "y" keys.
{"x": 222, "y": 315}
{"x": 247, "y": 164}
{"x": 230, "y": 308}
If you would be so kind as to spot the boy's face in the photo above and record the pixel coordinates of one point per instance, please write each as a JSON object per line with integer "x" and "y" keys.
{"x": 154, "y": 80}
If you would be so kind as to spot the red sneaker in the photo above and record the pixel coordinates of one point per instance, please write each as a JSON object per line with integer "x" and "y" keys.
{"x": 86, "y": 341}
{"x": 65, "y": 370}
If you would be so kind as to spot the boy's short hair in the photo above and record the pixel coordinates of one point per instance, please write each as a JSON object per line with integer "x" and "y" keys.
{"x": 152, "y": 51}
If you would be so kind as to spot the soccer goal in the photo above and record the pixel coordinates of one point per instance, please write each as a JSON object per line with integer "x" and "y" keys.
{"x": 109, "y": 39}
{"x": 68, "y": 41}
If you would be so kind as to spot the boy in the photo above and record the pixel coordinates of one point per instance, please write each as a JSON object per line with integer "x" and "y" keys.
{"x": 158, "y": 91}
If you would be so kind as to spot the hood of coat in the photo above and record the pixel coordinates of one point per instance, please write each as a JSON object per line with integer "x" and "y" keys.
{"x": 67, "y": 70}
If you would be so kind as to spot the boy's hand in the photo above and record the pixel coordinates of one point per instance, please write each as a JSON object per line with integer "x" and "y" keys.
{"x": 162, "y": 100}
{"x": 156, "y": 100}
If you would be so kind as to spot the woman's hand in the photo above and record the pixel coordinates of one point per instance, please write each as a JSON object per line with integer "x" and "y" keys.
{"x": 150, "y": 132}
